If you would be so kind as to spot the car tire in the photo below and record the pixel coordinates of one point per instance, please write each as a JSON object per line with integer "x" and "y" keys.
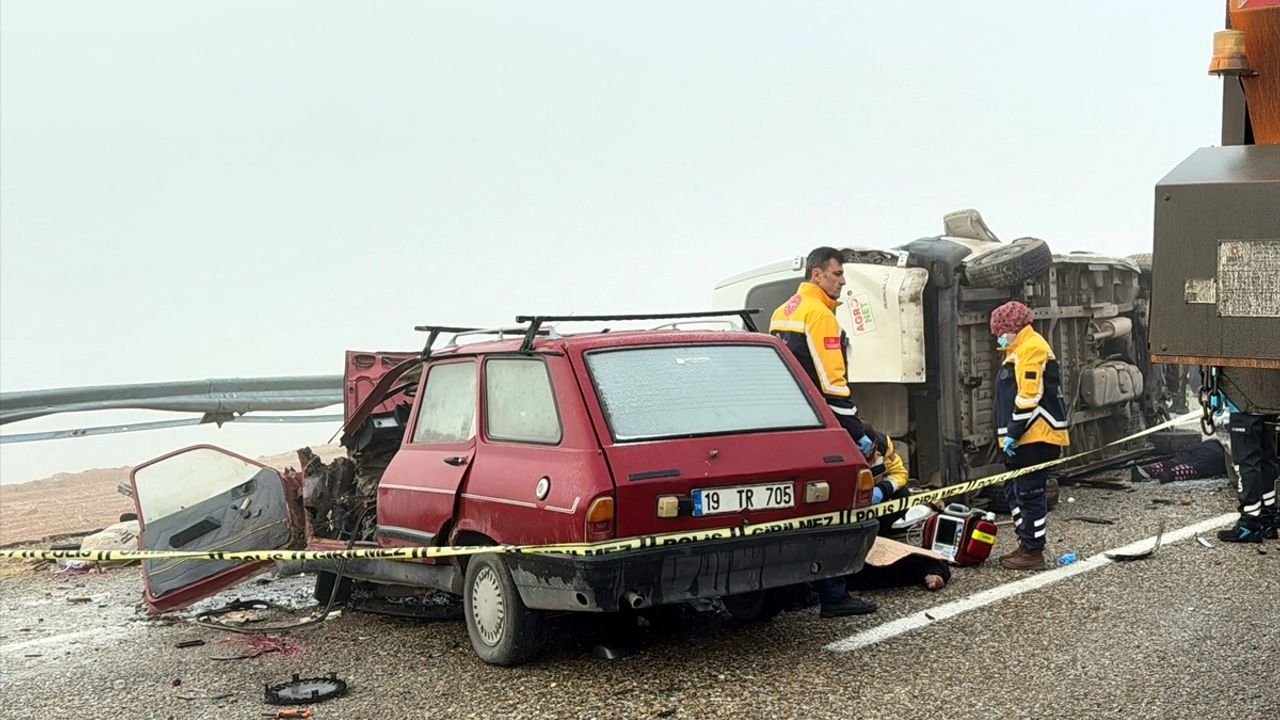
{"x": 1009, "y": 265}
{"x": 502, "y": 630}
{"x": 324, "y": 588}
{"x": 757, "y": 606}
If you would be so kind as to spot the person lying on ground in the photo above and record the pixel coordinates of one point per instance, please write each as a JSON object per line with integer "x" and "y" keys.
{"x": 1200, "y": 460}
{"x": 891, "y": 564}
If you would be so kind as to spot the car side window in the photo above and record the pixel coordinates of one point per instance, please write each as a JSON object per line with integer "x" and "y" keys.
{"x": 447, "y": 411}
{"x": 520, "y": 405}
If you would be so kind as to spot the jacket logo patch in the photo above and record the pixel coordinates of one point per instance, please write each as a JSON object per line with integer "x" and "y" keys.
{"x": 831, "y": 343}
{"x": 791, "y": 305}
{"x": 1031, "y": 374}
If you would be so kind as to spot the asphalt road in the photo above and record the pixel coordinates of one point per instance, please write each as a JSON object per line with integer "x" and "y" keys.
{"x": 1193, "y": 632}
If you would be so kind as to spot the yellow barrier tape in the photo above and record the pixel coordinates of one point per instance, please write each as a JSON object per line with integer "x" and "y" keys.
{"x": 843, "y": 517}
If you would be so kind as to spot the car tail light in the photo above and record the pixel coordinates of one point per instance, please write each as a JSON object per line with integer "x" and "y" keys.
{"x": 866, "y": 483}
{"x": 599, "y": 525}
{"x": 817, "y": 492}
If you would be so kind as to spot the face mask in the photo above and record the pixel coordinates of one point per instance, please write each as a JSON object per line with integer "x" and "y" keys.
{"x": 1002, "y": 341}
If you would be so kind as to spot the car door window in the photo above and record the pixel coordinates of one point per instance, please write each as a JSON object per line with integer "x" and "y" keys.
{"x": 520, "y": 405}
{"x": 447, "y": 411}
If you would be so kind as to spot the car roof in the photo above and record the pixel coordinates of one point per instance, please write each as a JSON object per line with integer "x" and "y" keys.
{"x": 585, "y": 342}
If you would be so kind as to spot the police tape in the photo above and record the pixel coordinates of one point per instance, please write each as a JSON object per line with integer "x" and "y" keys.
{"x": 834, "y": 519}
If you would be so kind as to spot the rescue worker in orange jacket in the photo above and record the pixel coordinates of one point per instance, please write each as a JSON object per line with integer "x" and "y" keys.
{"x": 1032, "y": 424}
{"x": 807, "y": 325}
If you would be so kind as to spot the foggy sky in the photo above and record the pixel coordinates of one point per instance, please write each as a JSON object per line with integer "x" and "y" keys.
{"x": 193, "y": 190}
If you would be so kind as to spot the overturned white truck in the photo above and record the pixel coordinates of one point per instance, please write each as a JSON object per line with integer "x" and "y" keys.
{"x": 923, "y": 363}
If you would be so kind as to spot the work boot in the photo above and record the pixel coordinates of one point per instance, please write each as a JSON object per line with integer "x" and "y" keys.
{"x": 1241, "y": 532}
{"x": 848, "y": 605}
{"x": 1023, "y": 560}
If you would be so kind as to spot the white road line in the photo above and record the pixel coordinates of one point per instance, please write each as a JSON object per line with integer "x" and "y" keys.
{"x": 995, "y": 594}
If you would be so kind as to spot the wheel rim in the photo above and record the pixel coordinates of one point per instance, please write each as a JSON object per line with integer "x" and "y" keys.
{"x": 488, "y": 610}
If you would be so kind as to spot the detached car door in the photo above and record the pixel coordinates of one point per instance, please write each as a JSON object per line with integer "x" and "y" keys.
{"x": 204, "y": 498}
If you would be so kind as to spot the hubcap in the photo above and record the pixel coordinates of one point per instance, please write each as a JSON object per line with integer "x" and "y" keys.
{"x": 488, "y": 611}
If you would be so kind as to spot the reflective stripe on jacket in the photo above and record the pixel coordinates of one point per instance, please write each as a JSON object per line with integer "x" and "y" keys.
{"x": 807, "y": 325}
{"x": 1029, "y": 403}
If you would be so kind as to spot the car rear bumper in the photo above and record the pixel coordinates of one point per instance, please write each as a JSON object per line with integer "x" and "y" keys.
{"x": 676, "y": 573}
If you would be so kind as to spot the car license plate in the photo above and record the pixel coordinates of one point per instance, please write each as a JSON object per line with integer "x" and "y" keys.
{"x": 713, "y": 501}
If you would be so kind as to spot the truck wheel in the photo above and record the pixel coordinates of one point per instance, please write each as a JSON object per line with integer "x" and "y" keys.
{"x": 757, "y": 606}
{"x": 503, "y": 631}
{"x": 1008, "y": 266}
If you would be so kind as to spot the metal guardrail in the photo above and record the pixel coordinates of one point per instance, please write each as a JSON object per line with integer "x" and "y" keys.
{"x": 218, "y": 399}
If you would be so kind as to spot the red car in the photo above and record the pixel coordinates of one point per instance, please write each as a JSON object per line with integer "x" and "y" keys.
{"x": 540, "y": 439}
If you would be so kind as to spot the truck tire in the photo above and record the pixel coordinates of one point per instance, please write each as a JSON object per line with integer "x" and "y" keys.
{"x": 503, "y": 631}
{"x": 757, "y": 606}
{"x": 1010, "y": 265}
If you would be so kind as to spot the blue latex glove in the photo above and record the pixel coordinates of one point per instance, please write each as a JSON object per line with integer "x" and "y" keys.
{"x": 866, "y": 446}
{"x": 1007, "y": 446}
{"x": 877, "y": 496}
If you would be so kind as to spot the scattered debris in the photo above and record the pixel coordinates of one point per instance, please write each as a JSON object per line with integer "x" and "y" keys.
{"x": 197, "y": 696}
{"x": 120, "y": 536}
{"x": 188, "y": 643}
{"x": 1184, "y": 500}
{"x": 1126, "y": 557}
{"x": 1161, "y": 501}
{"x": 1091, "y": 520}
{"x": 1204, "y": 542}
{"x": 302, "y": 690}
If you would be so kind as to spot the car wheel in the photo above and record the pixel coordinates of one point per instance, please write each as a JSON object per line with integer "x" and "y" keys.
{"x": 757, "y": 606}
{"x": 503, "y": 631}
{"x": 1010, "y": 265}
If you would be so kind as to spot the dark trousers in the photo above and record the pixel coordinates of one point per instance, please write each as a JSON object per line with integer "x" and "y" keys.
{"x": 1025, "y": 494}
{"x": 886, "y": 522}
{"x": 830, "y": 590}
{"x": 1203, "y": 459}
{"x": 1254, "y": 450}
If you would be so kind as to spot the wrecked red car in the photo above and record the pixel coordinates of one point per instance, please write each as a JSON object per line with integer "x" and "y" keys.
{"x": 540, "y": 439}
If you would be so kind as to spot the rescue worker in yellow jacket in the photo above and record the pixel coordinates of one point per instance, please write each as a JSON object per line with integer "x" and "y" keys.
{"x": 807, "y": 325}
{"x": 1032, "y": 424}
{"x": 890, "y": 473}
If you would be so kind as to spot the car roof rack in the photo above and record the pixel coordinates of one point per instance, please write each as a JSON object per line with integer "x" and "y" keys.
{"x": 435, "y": 331}
{"x": 535, "y": 321}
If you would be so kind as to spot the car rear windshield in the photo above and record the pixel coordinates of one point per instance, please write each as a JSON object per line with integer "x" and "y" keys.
{"x": 691, "y": 390}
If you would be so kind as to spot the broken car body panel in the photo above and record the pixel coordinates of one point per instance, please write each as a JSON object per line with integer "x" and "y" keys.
{"x": 203, "y": 498}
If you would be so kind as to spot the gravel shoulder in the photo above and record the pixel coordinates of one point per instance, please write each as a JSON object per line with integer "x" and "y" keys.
{"x": 1192, "y": 632}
